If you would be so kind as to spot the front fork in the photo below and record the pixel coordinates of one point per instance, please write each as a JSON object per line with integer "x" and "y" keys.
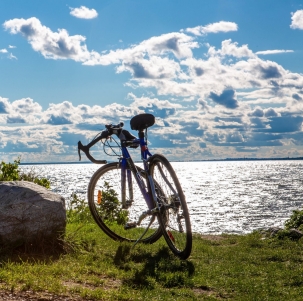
{"x": 126, "y": 173}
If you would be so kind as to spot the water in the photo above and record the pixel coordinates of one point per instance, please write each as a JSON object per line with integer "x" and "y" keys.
{"x": 222, "y": 196}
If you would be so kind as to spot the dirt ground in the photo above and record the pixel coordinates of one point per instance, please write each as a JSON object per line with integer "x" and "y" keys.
{"x": 32, "y": 296}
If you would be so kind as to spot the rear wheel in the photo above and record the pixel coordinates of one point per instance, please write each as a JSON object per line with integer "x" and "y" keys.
{"x": 174, "y": 217}
{"x": 116, "y": 220}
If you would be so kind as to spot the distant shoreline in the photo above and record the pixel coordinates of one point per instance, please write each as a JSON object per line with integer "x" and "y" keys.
{"x": 208, "y": 160}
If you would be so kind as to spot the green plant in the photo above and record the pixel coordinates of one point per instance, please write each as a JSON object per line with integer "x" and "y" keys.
{"x": 110, "y": 207}
{"x": 295, "y": 220}
{"x": 11, "y": 172}
{"x": 78, "y": 210}
{"x": 32, "y": 176}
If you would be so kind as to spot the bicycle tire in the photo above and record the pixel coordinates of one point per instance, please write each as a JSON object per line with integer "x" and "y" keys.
{"x": 174, "y": 216}
{"x": 109, "y": 214}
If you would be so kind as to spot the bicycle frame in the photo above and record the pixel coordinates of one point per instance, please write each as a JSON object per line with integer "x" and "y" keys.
{"x": 129, "y": 169}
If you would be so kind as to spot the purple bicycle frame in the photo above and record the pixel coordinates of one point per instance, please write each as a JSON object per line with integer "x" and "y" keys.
{"x": 128, "y": 169}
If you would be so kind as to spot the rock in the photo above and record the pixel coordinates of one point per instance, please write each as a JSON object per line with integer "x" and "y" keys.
{"x": 295, "y": 234}
{"x": 30, "y": 213}
{"x": 274, "y": 231}
{"x": 270, "y": 232}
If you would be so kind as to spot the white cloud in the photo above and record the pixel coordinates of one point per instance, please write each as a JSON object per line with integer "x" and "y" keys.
{"x": 266, "y": 52}
{"x": 179, "y": 129}
{"x": 60, "y": 45}
{"x": 54, "y": 45}
{"x": 11, "y": 47}
{"x": 233, "y": 97}
{"x": 26, "y": 106}
{"x": 84, "y": 13}
{"x": 12, "y": 57}
{"x": 231, "y": 49}
{"x": 9, "y": 55}
{"x": 24, "y": 110}
{"x": 152, "y": 68}
{"x": 221, "y": 26}
{"x": 179, "y": 44}
{"x": 297, "y": 20}
{"x": 4, "y": 105}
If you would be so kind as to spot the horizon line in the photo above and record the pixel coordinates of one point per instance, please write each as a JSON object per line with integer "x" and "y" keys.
{"x": 198, "y": 160}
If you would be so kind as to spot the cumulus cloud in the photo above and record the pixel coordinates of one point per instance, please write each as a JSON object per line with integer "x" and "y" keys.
{"x": 227, "y": 97}
{"x": 155, "y": 106}
{"x": 221, "y": 26}
{"x": 231, "y": 49}
{"x": 267, "y": 52}
{"x": 83, "y": 12}
{"x": 297, "y": 20}
{"x": 54, "y": 45}
{"x": 15, "y": 119}
{"x": 23, "y": 110}
{"x": 270, "y": 112}
{"x": 57, "y": 129}
{"x": 4, "y": 105}
{"x": 297, "y": 97}
{"x": 26, "y": 106}
{"x": 60, "y": 45}
{"x": 3, "y": 50}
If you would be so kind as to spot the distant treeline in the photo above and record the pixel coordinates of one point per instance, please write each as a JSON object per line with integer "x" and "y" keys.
{"x": 250, "y": 159}
{"x": 227, "y": 159}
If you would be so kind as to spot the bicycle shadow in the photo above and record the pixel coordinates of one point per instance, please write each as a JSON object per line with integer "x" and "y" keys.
{"x": 160, "y": 267}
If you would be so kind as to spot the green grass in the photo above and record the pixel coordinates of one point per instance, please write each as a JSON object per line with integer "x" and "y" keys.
{"x": 92, "y": 266}
{"x": 88, "y": 265}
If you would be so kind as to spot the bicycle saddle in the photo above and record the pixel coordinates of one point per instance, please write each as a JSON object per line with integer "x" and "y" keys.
{"x": 142, "y": 121}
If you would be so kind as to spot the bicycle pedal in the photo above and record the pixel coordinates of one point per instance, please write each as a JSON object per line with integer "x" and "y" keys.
{"x": 130, "y": 225}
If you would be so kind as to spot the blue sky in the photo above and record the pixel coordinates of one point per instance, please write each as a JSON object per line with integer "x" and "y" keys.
{"x": 223, "y": 78}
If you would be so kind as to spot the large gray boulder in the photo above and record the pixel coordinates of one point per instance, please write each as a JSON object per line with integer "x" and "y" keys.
{"x": 30, "y": 213}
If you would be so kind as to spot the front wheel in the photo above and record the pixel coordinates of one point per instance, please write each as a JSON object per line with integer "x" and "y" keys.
{"x": 174, "y": 217}
{"x": 106, "y": 205}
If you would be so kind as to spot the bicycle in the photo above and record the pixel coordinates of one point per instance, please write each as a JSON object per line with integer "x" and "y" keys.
{"x": 118, "y": 203}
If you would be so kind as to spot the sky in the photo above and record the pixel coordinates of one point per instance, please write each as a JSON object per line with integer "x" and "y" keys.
{"x": 224, "y": 78}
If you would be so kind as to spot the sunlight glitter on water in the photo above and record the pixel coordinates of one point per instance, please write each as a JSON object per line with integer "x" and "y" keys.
{"x": 222, "y": 196}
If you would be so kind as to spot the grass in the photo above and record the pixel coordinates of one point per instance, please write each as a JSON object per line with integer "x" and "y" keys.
{"x": 88, "y": 265}
{"x": 91, "y": 266}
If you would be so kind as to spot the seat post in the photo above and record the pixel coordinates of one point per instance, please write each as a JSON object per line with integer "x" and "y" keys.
{"x": 142, "y": 144}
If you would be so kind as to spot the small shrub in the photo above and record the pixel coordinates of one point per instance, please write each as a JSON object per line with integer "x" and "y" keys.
{"x": 282, "y": 234}
{"x": 111, "y": 207}
{"x": 78, "y": 210}
{"x": 32, "y": 176}
{"x": 295, "y": 220}
{"x": 11, "y": 172}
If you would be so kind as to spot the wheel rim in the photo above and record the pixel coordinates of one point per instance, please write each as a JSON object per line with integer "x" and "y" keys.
{"x": 173, "y": 208}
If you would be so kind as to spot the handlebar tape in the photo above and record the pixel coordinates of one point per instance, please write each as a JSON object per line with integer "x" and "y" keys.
{"x": 85, "y": 149}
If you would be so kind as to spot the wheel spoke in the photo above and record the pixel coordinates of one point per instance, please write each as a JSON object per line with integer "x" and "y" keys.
{"x": 120, "y": 221}
{"x": 174, "y": 217}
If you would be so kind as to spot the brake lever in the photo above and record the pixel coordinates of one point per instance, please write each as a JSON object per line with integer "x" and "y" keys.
{"x": 80, "y": 148}
{"x": 79, "y": 154}
{"x": 85, "y": 149}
